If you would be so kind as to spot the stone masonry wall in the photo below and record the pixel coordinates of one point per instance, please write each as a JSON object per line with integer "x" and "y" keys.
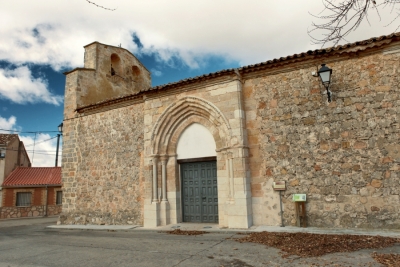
{"x": 344, "y": 155}
{"x": 33, "y": 211}
{"x": 102, "y": 175}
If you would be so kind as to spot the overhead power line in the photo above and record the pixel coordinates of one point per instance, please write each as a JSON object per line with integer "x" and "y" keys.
{"x": 42, "y": 141}
{"x": 50, "y": 152}
{"x": 29, "y": 150}
{"x": 33, "y": 151}
{"x": 32, "y": 132}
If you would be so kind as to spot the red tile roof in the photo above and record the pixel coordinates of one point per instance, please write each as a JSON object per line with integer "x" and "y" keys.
{"x": 369, "y": 43}
{"x": 6, "y": 138}
{"x": 33, "y": 176}
{"x": 254, "y": 67}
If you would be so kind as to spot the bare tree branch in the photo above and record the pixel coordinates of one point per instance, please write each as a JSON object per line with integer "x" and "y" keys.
{"x": 100, "y": 6}
{"x": 344, "y": 16}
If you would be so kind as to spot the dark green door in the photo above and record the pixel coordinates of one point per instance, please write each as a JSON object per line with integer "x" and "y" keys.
{"x": 200, "y": 192}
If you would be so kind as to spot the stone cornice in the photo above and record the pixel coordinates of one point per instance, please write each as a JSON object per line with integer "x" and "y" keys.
{"x": 76, "y": 69}
{"x": 110, "y": 104}
{"x": 190, "y": 86}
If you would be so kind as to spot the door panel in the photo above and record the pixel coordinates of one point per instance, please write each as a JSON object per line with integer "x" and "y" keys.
{"x": 200, "y": 192}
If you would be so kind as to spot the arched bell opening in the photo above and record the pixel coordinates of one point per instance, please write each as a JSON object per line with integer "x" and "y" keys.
{"x": 116, "y": 66}
{"x": 135, "y": 71}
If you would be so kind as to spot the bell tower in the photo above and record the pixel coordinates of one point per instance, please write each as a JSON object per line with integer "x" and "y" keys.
{"x": 109, "y": 72}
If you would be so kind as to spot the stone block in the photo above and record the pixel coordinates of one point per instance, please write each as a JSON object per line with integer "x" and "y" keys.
{"x": 218, "y": 91}
{"x": 238, "y": 113}
{"x": 360, "y": 145}
{"x": 376, "y": 183}
{"x": 309, "y": 121}
{"x": 233, "y": 88}
{"x": 240, "y": 222}
{"x": 383, "y": 88}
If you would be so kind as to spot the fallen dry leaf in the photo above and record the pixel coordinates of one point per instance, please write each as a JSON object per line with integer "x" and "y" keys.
{"x": 185, "y": 232}
{"x": 390, "y": 260}
{"x": 313, "y": 245}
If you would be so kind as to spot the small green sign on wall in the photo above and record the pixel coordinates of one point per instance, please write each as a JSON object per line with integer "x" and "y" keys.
{"x": 299, "y": 197}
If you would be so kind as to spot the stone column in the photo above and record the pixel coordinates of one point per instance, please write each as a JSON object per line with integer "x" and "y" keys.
{"x": 155, "y": 188}
{"x": 151, "y": 210}
{"x": 229, "y": 171}
{"x": 228, "y": 174}
{"x": 174, "y": 194}
{"x": 164, "y": 159}
{"x": 164, "y": 205}
{"x": 231, "y": 182}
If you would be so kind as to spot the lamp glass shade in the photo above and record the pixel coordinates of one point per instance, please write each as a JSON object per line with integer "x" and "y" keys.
{"x": 325, "y": 74}
{"x": 60, "y": 127}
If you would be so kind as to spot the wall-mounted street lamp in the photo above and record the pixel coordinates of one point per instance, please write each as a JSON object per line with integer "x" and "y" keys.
{"x": 325, "y": 74}
{"x": 60, "y": 129}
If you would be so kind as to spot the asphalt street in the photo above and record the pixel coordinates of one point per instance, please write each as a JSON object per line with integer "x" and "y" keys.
{"x": 29, "y": 243}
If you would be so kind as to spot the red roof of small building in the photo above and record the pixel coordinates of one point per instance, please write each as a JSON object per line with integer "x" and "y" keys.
{"x": 33, "y": 176}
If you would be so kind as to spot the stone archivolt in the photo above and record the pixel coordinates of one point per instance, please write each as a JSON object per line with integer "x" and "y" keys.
{"x": 162, "y": 210}
{"x": 180, "y": 115}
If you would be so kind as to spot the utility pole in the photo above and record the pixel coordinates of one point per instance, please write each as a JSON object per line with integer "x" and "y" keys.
{"x": 60, "y": 129}
{"x": 58, "y": 144}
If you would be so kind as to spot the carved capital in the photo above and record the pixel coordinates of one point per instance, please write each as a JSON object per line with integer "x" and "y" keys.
{"x": 164, "y": 159}
{"x": 154, "y": 159}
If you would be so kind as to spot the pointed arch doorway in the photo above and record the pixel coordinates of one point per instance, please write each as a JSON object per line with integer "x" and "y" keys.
{"x": 163, "y": 189}
{"x": 196, "y": 154}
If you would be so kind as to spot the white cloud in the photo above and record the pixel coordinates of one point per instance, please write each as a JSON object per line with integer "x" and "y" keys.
{"x": 156, "y": 72}
{"x": 42, "y": 151}
{"x": 8, "y": 124}
{"x": 19, "y": 86}
{"x": 53, "y": 32}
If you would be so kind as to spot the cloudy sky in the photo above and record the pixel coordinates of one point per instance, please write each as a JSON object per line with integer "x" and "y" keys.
{"x": 174, "y": 39}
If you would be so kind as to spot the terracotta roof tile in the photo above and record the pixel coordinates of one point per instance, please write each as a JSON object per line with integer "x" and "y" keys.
{"x": 254, "y": 67}
{"x": 33, "y": 176}
{"x": 6, "y": 138}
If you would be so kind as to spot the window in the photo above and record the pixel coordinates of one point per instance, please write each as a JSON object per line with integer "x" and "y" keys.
{"x": 24, "y": 199}
{"x": 59, "y": 198}
{"x": 2, "y": 153}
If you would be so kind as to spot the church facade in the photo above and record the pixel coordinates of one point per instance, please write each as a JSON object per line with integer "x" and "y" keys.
{"x": 208, "y": 149}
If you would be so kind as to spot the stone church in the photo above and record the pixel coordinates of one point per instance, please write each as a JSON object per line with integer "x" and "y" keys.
{"x": 208, "y": 149}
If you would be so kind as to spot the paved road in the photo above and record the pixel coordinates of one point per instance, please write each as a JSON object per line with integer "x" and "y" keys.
{"x": 30, "y": 243}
